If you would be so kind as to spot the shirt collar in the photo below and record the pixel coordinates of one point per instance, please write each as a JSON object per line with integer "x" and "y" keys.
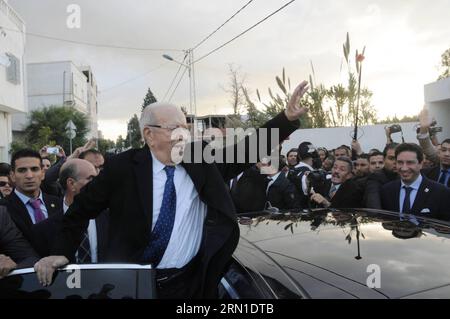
{"x": 302, "y": 164}
{"x": 416, "y": 184}
{"x": 25, "y": 199}
{"x": 274, "y": 177}
{"x": 157, "y": 165}
{"x": 65, "y": 207}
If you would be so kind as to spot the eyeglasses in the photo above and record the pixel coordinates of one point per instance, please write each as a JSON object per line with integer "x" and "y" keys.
{"x": 168, "y": 127}
{"x": 3, "y": 184}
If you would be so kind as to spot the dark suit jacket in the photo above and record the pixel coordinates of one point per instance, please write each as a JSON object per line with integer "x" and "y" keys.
{"x": 349, "y": 195}
{"x": 125, "y": 187}
{"x": 45, "y": 233}
{"x": 283, "y": 194}
{"x": 431, "y": 195}
{"x": 19, "y": 215}
{"x": 375, "y": 181}
{"x": 433, "y": 174}
{"x": 249, "y": 194}
{"x": 13, "y": 244}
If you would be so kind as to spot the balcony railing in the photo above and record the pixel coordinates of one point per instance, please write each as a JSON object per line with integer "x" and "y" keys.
{"x": 12, "y": 15}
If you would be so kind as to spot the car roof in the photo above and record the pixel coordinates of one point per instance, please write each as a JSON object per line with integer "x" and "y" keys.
{"x": 333, "y": 253}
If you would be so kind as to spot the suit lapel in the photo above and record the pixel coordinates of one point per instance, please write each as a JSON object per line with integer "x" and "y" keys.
{"x": 143, "y": 171}
{"x": 396, "y": 196}
{"x": 197, "y": 174}
{"x": 52, "y": 205}
{"x": 18, "y": 210}
{"x": 421, "y": 196}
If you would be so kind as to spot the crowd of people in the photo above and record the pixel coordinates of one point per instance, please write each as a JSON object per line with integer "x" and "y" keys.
{"x": 142, "y": 207}
{"x": 410, "y": 178}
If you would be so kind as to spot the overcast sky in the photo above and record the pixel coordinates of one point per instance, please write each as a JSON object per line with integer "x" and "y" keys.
{"x": 404, "y": 40}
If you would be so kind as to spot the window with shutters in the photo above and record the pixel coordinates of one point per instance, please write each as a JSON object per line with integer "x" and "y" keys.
{"x": 13, "y": 70}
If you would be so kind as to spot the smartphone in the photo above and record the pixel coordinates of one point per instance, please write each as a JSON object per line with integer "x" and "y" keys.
{"x": 52, "y": 150}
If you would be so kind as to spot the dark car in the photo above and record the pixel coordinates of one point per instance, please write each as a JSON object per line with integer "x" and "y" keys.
{"x": 339, "y": 254}
{"x": 290, "y": 255}
{"x": 96, "y": 281}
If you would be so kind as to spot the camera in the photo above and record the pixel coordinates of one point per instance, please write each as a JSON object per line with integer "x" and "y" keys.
{"x": 317, "y": 179}
{"x": 433, "y": 130}
{"x": 395, "y": 128}
{"x": 52, "y": 150}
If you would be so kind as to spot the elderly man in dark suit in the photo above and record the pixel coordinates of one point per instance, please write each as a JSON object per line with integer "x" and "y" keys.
{"x": 414, "y": 193}
{"x": 177, "y": 216}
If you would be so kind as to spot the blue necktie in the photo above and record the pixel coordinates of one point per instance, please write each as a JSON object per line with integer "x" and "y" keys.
{"x": 407, "y": 201}
{"x": 159, "y": 238}
{"x": 444, "y": 173}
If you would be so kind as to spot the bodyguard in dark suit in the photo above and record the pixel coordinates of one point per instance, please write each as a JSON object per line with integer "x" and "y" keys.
{"x": 27, "y": 204}
{"x": 74, "y": 175}
{"x": 414, "y": 193}
{"x": 179, "y": 217}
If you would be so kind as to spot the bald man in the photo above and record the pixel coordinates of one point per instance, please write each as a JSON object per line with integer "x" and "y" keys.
{"x": 166, "y": 211}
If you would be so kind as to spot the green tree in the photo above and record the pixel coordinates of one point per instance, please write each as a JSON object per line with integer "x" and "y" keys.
{"x": 47, "y": 126}
{"x": 134, "y": 133}
{"x": 148, "y": 99}
{"x": 120, "y": 143}
{"x": 396, "y": 120}
{"x": 104, "y": 145}
{"x": 445, "y": 65}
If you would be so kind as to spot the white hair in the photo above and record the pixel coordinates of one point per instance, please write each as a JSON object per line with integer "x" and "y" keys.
{"x": 148, "y": 116}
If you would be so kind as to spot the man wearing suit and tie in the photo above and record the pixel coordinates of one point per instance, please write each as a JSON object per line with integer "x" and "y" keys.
{"x": 27, "y": 204}
{"x": 178, "y": 216}
{"x": 74, "y": 175}
{"x": 414, "y": 193}
{"x": 441, "y": 173}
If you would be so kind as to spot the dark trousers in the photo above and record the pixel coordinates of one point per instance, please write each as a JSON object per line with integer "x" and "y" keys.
{"x": 178, "y": 283}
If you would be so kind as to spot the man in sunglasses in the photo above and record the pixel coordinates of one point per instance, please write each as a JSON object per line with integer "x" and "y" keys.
{"x": 5, "y": 186}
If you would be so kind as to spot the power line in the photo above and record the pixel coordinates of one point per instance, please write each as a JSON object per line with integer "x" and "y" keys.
{"x": 132, "y": 79}
{"x": 211, "y": 34}
{"x": 170, "y": 99}
{"x": 88, "y": 43}
{"x": 175, "y": 77}
{"x": 244, "y": 32}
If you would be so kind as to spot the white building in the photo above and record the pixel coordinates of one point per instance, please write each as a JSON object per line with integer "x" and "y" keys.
{"x": 60, "y": 83}
{"x": 12, "y": 73}
{"x": 437, "y": 97}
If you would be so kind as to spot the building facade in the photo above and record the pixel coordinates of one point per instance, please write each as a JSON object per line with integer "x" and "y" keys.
{"x": 12, "y": 74}
{"x": 60, "y": 83}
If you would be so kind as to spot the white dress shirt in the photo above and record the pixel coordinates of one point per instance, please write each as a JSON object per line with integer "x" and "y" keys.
{"x": 187, "y": 232}
{"x": 92, "y": 235}
{"x": 412, "y": 197}
{"x": 26, "y": 201}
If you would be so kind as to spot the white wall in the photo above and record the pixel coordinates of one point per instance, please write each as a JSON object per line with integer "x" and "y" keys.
{"x": 372, "y": 136}
{"x": 437, "y": 97}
